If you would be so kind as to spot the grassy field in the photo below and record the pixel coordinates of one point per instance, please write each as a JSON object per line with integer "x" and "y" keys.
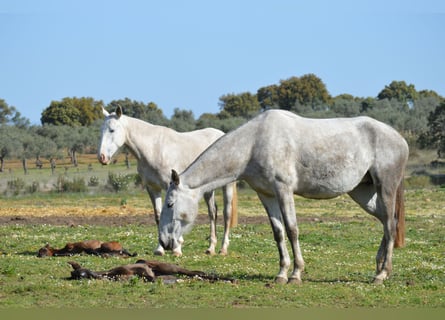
{"x": 338, "y": 240}
{"x": 339, "y": 243}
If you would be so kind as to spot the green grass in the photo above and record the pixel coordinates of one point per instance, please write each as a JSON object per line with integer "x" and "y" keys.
{"x": 339, "y": 249}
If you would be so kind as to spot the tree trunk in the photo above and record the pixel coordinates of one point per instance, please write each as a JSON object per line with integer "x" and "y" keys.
{"x": 25, "y": 166}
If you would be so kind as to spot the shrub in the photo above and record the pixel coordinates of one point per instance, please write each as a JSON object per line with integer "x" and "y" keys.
{"x": 119, "y": 182}
{"x": 34, "y": 187}
{"x": 417, "y": 182}
{"x": 94, "y": 181}
{"x": 76, "y": 185}
{"x": 16, "y": 185}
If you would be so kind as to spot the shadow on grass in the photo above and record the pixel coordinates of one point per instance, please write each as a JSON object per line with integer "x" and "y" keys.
{"x": 271, "y": 279}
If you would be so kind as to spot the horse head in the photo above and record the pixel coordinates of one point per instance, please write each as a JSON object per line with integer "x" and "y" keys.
{"x": 45, "y": 251}
{"x": 112, "y": 136}
{"x": 178, "y": 214}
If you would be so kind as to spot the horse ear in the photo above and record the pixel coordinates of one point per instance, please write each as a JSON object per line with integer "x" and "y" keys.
{"x": 105, "y": 112}
{"x": 175, "y": 177}
{"x": 118, "y": 111}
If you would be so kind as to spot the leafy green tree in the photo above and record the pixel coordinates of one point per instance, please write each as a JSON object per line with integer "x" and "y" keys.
{"x": 345, "y": 105}
{"x": 417, "y": 121}
{"x": 392, "y": 112}
{"x": 149, "y": 112}
{"x": 436, "y": 132}
{"x": 399, "y": 91}
{"x": 23, "y": 143}
{"x": 208, "y": 120}
{"x": 302, "y": 94}
{"x": 72, "y": 139}
{"x": 313, "y": 92}
{"x": 268, "y": 97}
{"x": 73, "y": 112}
{"x": 239, "y": 105}
{"x": 182, "y": 120}
{"x": 10, "y": 145}
{"x": 10, "y": 115}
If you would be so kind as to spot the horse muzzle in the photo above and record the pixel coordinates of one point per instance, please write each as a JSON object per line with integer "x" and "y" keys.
{"x": 103, "y": 159}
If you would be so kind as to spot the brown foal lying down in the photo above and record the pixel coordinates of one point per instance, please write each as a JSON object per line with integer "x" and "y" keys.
{"x": 95, "y": 247}
{"x": 149, "y": 270}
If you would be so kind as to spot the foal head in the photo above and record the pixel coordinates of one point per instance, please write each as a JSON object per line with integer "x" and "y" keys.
{"x": 112, "y": 136}
{"x": 178, "y": 214}
{"x": 45, "y": 251}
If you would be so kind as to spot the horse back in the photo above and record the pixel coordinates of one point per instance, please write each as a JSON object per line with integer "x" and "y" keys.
{"x": 322, "y": 158}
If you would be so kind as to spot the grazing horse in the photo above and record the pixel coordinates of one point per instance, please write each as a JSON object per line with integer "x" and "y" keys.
{"x": 280, "y": 154}
{"x": 94, "y": 247}
{"x": 158, "y": 149}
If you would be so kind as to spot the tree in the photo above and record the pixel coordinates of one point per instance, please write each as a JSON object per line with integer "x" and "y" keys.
{"x": 10, "y": 145}
{"x": 149, "y": 112}
{"x": 209, "y": 120}
{"x": 305, "y": 94}
{"x": 239, "y": 105}
{"x": 346, "y": 105}
{"x": 10, "y": 115}
{"x": 268, "y": 97}
{"x": 73, "y": 112}
{"x": 182, "y": 120}
{"x": 399, "y": 91}
{"x": 436, "y": 132}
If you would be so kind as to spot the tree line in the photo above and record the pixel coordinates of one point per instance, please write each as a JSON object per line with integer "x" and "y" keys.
{"x": 72, "y": 125}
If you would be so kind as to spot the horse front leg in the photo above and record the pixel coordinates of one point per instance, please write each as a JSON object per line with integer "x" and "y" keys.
{"x": 287, "y": 206}
{"x": 212, "y": 211}
{"x": 156, "y": 201}
{"x": 273, "y": 210}
{"x": 228, "y": 194}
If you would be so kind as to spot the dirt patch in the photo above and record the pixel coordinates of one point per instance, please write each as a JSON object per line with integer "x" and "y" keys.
{"x": 116, "y": 216}
{"x": 106, "y": 220}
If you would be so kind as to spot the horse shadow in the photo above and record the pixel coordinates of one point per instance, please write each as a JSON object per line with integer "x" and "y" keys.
{"x": 28, "y": 253}
{"x": 269, "y": 279}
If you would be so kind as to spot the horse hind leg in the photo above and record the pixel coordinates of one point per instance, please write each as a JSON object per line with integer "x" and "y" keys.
{"x": 380, "y": 204}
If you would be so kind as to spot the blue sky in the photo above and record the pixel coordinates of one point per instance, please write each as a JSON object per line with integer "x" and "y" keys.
{"x": 186, "y": 54}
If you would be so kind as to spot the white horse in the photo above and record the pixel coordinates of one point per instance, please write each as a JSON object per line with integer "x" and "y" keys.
{"x": 157, "y": 149}
{"x": 280, "y": 154}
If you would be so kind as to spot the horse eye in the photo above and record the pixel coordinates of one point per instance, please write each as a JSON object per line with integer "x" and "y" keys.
{"x": 170, "y": 204}
{"x": 111, "y": 130}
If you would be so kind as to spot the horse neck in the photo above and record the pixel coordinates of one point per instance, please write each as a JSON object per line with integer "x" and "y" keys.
{"x": 139, "y": 135}
{"x": 219, "y": 165}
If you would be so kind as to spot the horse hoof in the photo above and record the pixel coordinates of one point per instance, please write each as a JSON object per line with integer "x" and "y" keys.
{"x": 223, "y": 252}
{"x": 378, "y": 281}
{"x": 294, "y": 281}
{"x": 177, "y": 253}
{"x": 210, "y": 252}
{"x": 280, "y": 280}
{"x": 158, "y": 253}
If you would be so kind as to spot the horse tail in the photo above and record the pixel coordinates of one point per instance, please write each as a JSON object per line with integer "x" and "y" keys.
{"x": 400, "y": 217}
{"x": 234, "y": 216}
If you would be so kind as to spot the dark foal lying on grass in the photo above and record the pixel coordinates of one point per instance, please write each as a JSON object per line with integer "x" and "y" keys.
{"x": 95, "y": 247}
{"x": 149, "y": 270}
